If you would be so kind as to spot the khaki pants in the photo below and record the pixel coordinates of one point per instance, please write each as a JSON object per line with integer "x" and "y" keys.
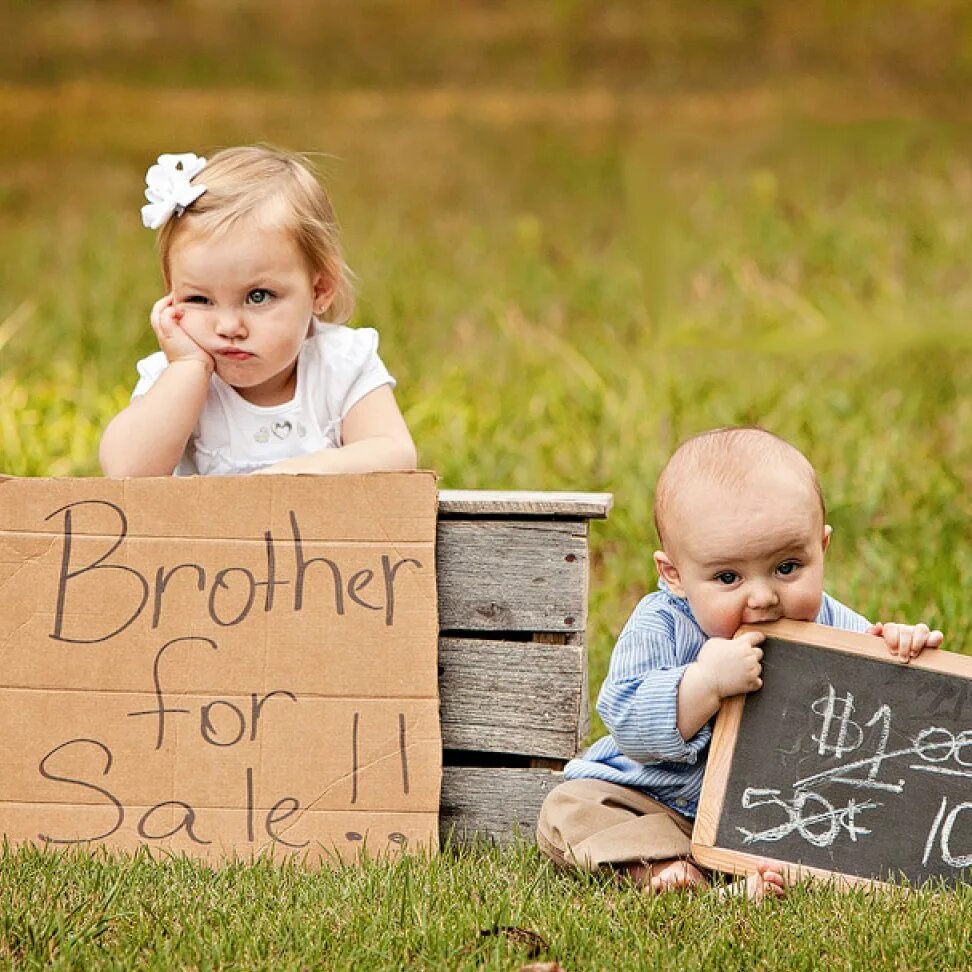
{"x": 591, "y": 824}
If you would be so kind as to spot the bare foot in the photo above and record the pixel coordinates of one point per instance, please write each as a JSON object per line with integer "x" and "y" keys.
{"x": 767, "y": 882}
{"x": 673, "y": 875}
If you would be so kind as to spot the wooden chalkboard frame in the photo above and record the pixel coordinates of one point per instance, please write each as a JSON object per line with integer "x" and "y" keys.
{"x": 726, "y": 732}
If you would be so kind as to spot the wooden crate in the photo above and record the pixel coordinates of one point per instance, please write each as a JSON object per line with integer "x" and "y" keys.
{"x": 512, "y": 571}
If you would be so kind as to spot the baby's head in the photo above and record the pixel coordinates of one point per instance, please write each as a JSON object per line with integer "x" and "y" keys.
{"x": 265, "y": 188}
{"x": 741, "y": 521}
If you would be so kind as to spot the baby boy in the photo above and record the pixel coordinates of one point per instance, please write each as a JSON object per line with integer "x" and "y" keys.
{"x": 743, "y": 534}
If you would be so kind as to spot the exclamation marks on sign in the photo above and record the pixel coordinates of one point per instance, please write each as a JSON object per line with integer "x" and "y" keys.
{"x": 403, "y": 749}
{"x": 355, "y": 761}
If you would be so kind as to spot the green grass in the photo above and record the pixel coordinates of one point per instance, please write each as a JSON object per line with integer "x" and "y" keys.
{"x": 577, "y": 252}
{"x": 462, "y": 911}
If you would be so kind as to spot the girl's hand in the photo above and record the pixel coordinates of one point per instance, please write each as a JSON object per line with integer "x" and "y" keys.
{"x": 173, "y": 339}
{"x": 906, "y": 641}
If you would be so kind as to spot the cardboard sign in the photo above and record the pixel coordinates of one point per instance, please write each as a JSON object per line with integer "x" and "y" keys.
{"x": 220, "y": 667}
{"x": 845, "y": 763}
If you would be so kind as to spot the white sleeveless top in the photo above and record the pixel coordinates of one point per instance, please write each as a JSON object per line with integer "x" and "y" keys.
{"x": 336, "y": 368}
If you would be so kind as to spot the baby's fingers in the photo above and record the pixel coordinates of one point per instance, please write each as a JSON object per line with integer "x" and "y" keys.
{"x": 925, "y": 638}
{"x": 907, "y": 641}
{"x": 898, "y": 639}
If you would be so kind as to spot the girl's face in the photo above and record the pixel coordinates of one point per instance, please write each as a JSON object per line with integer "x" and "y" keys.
{"x": 248, "y": 299}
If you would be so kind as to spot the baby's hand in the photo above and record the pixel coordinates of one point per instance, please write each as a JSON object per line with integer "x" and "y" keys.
{"x": 906, "y": 641}
{"x": 733, "y": 665}
{"x": 175, "y": 343}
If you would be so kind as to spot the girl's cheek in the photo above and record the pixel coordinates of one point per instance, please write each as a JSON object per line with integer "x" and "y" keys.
{"x": 196, "y": 321}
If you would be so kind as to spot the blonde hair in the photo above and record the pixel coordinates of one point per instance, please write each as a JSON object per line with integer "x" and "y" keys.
{"x": 275, "y": 189}
{"x": 728, "y": 457}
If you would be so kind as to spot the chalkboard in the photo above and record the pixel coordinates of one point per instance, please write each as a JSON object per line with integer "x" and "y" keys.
{"x": 845, "y": 762}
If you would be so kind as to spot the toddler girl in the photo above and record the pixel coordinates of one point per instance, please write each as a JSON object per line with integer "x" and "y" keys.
{"x": 257, "y": 371}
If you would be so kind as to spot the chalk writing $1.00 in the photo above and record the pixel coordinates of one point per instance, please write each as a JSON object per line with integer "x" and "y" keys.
{"x": 864, "y": 762}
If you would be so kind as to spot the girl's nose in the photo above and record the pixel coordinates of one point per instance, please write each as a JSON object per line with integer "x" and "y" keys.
{"x": 230, "y": 323}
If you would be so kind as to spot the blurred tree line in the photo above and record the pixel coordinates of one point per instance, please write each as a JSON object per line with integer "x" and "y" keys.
{"x": 620, "y": 45}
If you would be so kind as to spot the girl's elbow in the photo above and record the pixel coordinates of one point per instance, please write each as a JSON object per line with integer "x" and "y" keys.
{"x": 114, "y": 457}
{"x": 113, "y": 465}
{"x": 118, "y": 467}
{"x": 397, "y": 453}
{"x": 407, "y": 454}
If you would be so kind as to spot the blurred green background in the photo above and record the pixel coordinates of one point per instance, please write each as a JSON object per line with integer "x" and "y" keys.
{"x": 584, "y": 231}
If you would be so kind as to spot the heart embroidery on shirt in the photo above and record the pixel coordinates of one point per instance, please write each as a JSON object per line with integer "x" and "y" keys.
{"x": 282, "y": 429}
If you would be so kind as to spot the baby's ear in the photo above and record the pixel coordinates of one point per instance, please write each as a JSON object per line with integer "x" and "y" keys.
{"x": 668, "y": 572}
{"x": 827, "y": 534}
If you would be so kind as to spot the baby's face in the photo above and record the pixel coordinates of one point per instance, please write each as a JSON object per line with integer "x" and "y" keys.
{"x": 742, "y": 556}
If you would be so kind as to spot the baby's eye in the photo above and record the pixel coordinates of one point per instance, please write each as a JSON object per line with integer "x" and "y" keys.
{"x": 787, "y": 567}
{"x": 195, "y": 299}
{"x": 727, "y": 577}
{"x": 259, "y": 296}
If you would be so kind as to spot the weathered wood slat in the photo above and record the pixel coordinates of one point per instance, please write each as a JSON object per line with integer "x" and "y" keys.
{"x": 584, "y": 712}
{"x": 492, "y": 802}
{"x": 512, "y": 579}
{"x": 483, "y": 502}
{"x": 512, "y": 575}
{"x": 511, "y": 696}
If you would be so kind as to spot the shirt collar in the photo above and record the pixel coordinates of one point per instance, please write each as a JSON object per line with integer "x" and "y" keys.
{"x": 679, "y": 603}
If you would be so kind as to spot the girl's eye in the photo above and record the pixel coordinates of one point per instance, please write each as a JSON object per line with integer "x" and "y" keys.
{"x": 259, "y": 296}
{"x": 195, "y": 299}
{"x": 787, "y": 568}
{"x": 726, "y": 577}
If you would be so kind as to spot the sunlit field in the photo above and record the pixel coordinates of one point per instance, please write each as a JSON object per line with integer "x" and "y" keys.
{"x": 583, "y": 236}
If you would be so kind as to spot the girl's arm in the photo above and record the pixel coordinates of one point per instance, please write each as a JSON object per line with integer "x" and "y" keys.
{"x": 149, "y": 436}
{"x": 374, "y": 437}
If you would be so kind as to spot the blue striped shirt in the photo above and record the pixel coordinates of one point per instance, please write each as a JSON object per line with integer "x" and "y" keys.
{"x": 637, "y": 702}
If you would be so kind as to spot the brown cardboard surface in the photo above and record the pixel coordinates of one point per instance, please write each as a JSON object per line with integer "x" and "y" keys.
{"x": 221, "y": 667}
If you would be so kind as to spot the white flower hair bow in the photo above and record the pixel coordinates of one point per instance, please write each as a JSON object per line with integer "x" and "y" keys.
{"x": 167, "y": 187}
